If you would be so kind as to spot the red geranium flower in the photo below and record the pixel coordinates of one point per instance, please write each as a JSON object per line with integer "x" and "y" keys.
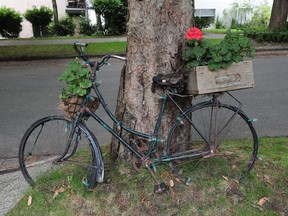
{"x": 194, "y": 33}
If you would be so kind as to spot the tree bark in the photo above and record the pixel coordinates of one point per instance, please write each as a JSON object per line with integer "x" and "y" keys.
{"x": 55, "y": 12}
{"x": 279, "y": 14}
{"x": 156, "y": 33}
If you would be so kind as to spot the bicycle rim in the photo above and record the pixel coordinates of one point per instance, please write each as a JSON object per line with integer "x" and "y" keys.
{"x": 46, "y": 159}
{"x": 233, "y": 142}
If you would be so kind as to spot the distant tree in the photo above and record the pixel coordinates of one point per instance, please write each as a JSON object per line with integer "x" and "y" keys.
{"x": 114, "y": 13}
{"x": 279, "y": 14}
{"x": 40, "y": 19}
{"x": 10, "y": 23}
{"x": 55, "y": 12}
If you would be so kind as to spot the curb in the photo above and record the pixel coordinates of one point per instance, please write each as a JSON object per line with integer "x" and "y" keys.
{"x": 9, "y": 165}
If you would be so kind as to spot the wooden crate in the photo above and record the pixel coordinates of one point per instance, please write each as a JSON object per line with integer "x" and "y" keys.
{"x": 202, "y": 81}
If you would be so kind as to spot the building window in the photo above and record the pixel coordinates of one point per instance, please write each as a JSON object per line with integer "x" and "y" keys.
{"x": 205, "y": 12}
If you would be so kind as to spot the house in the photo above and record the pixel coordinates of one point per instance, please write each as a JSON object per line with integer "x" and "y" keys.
{"x": 211, "y": 9}
{"x": 72, "y": 7}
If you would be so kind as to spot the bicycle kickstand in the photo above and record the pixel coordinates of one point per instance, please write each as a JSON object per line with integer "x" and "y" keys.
{"x": 160, "y": 187}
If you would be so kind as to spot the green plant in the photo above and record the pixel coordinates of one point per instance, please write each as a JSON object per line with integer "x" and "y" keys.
{"x": 64, "y": 27}
{"x": 40, "y": 19}
{"x": 200, "y": 52}
{"x": 261, "y": 17}
{"x": 201, "y": 22}
{"x": 114, "y": 13}
{"x": 218, "y": 23}
{"x": 86, "y": 28}
{"x": 77, "y": 80}
{"x": 10, "y": 23}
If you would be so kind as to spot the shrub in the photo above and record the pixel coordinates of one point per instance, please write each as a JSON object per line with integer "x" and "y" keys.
{"x": 201, "y": 22}
{"x": 276, "y": 36}
{"x": 86, "y": 28}
{"x": 10, "y": 23}
{"x": 279, "y": 35}
{"x": 64, "y": 27}
{"x": 40, "y": 19}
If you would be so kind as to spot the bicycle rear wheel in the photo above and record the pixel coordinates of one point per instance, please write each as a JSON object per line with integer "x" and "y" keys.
{"x": 214, "y": 129}
{"x": 46, "y": 154}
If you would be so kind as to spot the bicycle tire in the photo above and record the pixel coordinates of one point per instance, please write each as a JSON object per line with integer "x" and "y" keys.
{"x": 222, "y": 126}
{"x": 44, "y": 149}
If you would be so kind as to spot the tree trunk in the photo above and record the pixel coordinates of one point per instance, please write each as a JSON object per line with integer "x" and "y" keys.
{"x": 279, "y": 14}
{"x": 55, "y": 12}
{"x": 156, "y": 33}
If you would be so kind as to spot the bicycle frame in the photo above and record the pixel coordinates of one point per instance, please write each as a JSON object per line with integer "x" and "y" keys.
{"x": 154, "y": 138}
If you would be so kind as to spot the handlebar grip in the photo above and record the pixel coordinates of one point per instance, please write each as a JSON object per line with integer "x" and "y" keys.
{"x": 118, "y": 57}
{"x": 80, "y": 44}
{"x": 79, "y": 48}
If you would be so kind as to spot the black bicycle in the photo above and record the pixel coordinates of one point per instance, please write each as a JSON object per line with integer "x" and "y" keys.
{"x": 210, "y": 128}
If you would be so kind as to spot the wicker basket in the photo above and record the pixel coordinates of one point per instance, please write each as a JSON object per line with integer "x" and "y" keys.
{"x": 73, "y": 105}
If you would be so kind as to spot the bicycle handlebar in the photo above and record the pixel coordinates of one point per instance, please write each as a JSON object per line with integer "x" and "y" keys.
{"x": 79, "y": 48}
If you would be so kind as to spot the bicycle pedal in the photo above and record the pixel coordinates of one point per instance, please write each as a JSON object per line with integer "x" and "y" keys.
{"x": 160, "y": 188}
{"x": 188, "y": 181}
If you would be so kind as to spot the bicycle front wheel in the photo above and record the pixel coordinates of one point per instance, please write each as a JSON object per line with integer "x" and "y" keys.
{"x": 48, "y": 156}
{"x": 214, "y": 129}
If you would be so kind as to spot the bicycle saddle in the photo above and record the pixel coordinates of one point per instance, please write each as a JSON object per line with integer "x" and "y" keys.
{"x": 173, "y": 80}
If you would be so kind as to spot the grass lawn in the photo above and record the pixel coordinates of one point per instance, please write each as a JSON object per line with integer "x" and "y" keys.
{"x": 127, "y": 192}
{"x": 59, "y": 50}
{"x": 25, "y": 52}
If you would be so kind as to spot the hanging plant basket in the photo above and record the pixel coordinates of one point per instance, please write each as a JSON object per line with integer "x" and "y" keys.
{"x": 72, "y": 105}
{"x": 203, "y": 81}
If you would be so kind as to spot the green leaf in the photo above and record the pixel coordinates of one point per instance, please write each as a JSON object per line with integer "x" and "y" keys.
{"x": 227, "y": 57}
{"x": 224, "y": 50}
{"x": 192, "y": 64}
{"x": 70, "y": 78}
{"x": 216, "y": 57}
{"x": 237, "y": 58}
{"x": 213, "y": 66}
{"x": 80, "y": 91}
{"x": 83, "y": 72}
{"x": 235, "y": 47}
{"x": 198, "y": 51}
{"x": 85, "y": 84}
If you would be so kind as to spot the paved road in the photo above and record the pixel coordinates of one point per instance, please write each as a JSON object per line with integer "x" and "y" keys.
{"x": 29, "y": 90}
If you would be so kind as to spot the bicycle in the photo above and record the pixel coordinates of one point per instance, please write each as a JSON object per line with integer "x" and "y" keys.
{"x": 210, "y": 126}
